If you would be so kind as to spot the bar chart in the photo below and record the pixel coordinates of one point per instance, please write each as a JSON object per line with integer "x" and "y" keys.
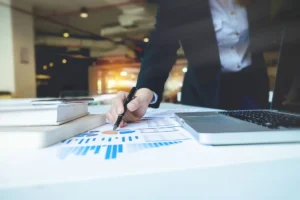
{"x": 102, "y": 140}
{"x": 107, "y": 151}
{"x": 110, "y": 152}
{"x": 150, "y": 145}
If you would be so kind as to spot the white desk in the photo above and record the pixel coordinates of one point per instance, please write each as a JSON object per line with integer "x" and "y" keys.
{"x": 232, "y": 172}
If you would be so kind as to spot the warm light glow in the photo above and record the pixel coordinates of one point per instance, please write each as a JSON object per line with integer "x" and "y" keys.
{"x": 84, "y": 12}
{"x": 99, "y": 86}
{"x": 184, "y": 70}
{"x": 146, "y": 40}
{"x": 84, "y": 15}
{"x": 64, "y": 61}
{"x": 66, "y": 34}
{"x": 123, "y": 73}
{"x": 45, "y": 67}
{"x": 42, "y": 76}
{"x": 111, "y": 84}
{"x": 128, "y": 83}
{"x": 133, "y": 76}
{"x": 51, "y": 64}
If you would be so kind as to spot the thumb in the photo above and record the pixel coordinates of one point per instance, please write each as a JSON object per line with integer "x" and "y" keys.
{"x": 134, "y": 104}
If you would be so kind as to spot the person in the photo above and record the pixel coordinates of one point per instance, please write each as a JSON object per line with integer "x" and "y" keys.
{"x": 223, "y": 41}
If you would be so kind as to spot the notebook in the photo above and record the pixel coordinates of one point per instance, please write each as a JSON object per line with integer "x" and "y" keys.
{"x": 41, "y": 115}
{"x": 14, "y": 138}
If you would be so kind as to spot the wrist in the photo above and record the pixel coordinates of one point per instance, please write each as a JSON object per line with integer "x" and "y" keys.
{"x": 146, "y": 93}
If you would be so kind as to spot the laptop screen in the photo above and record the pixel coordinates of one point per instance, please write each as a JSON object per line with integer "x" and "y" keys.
{"x": 287, "y": 88}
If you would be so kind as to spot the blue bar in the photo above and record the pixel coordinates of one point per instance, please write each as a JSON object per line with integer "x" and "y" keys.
{"x": 136, "y": 147}
{"x": 103, "y": 139}
{"x": 93, "y": 148}
{"x": 85, "y": 150}
{"x": 87, "y": 141}
{"x": 69, "y": 150}
{"x": 63, "y": 141}
{"x": 155, "y": 145}
{"x": 94, "y": 139}
{"x": 140, "y": 146}
{"x": 160, "y": 144}
{"x": 130, "y": 139}
{"x": 80, "y": 141}
{"x": 79, "y": 151}
{"x": 75, "y": 149}
{"x": 145, "y": 145}
{"x": 166, "y": 143}
{"x": 120, "y": 148}
{"x": 137, "y": 137}
{"x": 69, "y": 141}
{"x": 108, "y": 152}
{"x": 65, "y": 152}
{"x": 109, "y": 139}
{"x": 171, "y": 143}
{"x": 114, "y": 152}
{"x": 97, "y": 149}
{"x": 123, "y": 139}
{"x": 175, "y": 142}
{"x": 150, "y": 145}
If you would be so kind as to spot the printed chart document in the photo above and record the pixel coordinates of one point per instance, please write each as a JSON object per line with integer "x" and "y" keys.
{"x": 138, "y": 148}
{"x": 147, "y": 134}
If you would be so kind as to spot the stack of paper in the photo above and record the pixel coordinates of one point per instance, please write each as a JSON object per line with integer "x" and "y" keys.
{"x": 28, "y": 126}
{"x": 41, "y": 115}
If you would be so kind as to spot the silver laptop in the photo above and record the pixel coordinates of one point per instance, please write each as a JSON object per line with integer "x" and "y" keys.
{"x": 280, "y": 124}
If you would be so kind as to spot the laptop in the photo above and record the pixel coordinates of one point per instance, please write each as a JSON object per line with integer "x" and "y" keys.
{"x": 279, "y": 124}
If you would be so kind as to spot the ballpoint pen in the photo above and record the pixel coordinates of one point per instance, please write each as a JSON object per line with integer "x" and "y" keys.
{"x": 128, "y": 99}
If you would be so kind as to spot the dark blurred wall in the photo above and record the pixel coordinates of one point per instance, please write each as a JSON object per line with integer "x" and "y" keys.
{"x": 71, "y": 77}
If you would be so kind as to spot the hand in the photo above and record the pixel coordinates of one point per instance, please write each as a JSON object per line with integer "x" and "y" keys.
{"x": 136, "y": 109}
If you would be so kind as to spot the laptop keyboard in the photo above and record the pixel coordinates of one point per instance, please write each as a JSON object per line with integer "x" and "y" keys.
{"x": 272, "y": 120}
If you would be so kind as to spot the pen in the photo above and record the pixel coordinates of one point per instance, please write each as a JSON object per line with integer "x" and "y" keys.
{"x": 128, "y": 99}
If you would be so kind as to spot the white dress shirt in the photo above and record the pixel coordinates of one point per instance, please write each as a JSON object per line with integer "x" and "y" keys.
{"x": 232, "y": 33}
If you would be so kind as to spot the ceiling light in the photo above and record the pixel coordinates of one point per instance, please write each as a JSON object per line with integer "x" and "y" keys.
{"x": 45, "y": 67}
{"x": 64, "y": 61}
{"x": 51, "y": 64}
{"x": 146, "y": 40}
{"x": 184, "y": 70}
{"x": 83, "y": 13}
{"x": 66, "y": 34}
{"x": 123, "y": 73}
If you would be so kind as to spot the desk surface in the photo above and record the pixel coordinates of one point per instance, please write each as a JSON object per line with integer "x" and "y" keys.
{"x": 185, "y": 171}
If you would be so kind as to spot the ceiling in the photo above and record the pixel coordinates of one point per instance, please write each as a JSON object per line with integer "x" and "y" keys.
{"x": 106, "y": 17}
{"x": 64, "y": 5}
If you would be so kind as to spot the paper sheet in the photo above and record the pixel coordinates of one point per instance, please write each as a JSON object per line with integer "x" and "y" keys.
{"x": 107, "y": 144}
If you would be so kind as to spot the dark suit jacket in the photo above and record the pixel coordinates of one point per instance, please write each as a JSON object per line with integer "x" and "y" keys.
{"x": 189, "y": 23}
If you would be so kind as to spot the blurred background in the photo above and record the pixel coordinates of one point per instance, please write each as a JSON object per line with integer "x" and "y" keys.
{"x": 62, "y": 48}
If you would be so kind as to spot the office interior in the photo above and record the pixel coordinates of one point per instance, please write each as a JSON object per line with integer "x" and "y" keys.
{"x": 71, "y": 48}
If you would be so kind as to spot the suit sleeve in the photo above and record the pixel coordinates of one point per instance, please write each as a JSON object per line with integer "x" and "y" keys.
{"x": 159, "y": 56}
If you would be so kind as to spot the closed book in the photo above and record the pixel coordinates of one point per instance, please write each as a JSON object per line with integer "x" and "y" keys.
{"x": 41, "y": 115}
{"x": 36, "y": 137}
